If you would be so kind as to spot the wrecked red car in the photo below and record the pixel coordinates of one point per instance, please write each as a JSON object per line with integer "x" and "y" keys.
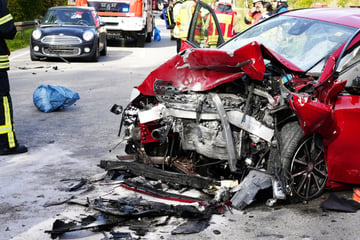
{"x": 282, "y": 98}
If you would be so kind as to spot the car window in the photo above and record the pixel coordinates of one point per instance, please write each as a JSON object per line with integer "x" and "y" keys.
{"x": 69, "y": 16}
{"x": 349, "y": 59}
{"x": 304, "y": 42}
{"x": 96, "y": 18}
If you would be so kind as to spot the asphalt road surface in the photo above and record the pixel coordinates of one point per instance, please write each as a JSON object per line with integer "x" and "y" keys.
{"x": 70, "y": 143}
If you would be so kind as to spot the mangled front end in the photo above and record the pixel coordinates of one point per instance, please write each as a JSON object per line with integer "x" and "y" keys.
{"x": 210, "y": 112}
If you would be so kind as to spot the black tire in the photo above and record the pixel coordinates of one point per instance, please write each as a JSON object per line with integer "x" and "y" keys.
{"x": 104, "y": 50}
{"x": 95, "y": 56}
{"x": 140, "y": 42}
{"x": 33, "y": 57}
{"x": 304, "y": 170}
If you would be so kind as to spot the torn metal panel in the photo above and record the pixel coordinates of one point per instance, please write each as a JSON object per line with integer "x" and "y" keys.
{"x": 246, "y": 191}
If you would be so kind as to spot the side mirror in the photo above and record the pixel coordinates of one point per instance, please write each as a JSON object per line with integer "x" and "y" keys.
{"x": 102, "y": 24}
{"x": 116, "y": 109}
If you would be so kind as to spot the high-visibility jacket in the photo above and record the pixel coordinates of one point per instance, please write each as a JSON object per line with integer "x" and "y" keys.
{"x": 226, "y": 21}
{"x": 7, "y": 31}
{"x": 182, "y": 17}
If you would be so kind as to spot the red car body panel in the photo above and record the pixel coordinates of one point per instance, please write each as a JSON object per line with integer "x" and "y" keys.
{"x": 203, "y": 69}
{"x": 311, "y": 114}
{"x": 343, "y": 150}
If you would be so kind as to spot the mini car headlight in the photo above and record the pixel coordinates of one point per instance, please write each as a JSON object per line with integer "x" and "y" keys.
{"x": 36, "y": 34}
{"x": 88, "y": 35}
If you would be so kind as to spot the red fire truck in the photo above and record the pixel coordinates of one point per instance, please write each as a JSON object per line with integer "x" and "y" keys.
{"x": 130, "y": 20}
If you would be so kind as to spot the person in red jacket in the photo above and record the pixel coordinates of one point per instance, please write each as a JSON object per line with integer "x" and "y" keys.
{"x": 254, "y": 15}
{"x": 8, "y": 142}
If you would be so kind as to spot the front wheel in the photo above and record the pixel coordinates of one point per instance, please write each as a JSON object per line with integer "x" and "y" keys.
{"x": 104, "y": 50}
{"x": 95, "y": 56}
{"x": 33, "y": 57}
{"x": 303, "y": 164}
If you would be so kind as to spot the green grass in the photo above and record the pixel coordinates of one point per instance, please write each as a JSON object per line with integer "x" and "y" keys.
{"x": 21, "y": 40}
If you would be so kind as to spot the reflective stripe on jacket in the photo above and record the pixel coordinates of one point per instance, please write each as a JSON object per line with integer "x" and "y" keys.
{"x": 7, "y": 127}
{"x": 7, "y": 31}
{"x": 226, "y": 21}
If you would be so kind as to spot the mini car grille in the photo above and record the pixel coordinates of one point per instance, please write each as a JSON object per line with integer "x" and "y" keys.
{"x": 62, "y": 52}
{"x": 61, "y": 40}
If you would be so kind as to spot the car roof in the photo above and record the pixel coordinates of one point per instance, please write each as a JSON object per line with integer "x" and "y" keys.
{"x": 72, "y": 7}
{"x": 344, "y": 16}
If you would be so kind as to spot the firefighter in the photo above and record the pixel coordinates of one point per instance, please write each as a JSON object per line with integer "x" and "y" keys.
{"x": 226, "y": 16}
{"x": 168, "y": 15}
{"x": 254, "y": 15}
{"x": 8, "y": 142}
{"x": 182, "y": 16}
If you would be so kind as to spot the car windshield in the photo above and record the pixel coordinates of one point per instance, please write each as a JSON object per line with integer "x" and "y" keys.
{"x": 68, "y": 16}
{"x": 304, "y": 42}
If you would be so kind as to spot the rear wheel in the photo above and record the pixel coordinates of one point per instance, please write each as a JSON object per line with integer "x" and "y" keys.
{"x": 303, "y": 164}
{"x": 140, "y": 41}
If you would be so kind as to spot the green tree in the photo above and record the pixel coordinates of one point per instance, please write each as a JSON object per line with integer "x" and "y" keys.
{"x": 23, "y": 10}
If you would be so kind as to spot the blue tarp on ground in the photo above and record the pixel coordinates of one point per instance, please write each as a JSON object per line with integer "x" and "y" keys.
{"x": 49, "y": 98}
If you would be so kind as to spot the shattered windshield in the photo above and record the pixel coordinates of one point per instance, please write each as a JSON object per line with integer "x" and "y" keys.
{"x": 68, "y": 16}
{"x": 304, "y": 42}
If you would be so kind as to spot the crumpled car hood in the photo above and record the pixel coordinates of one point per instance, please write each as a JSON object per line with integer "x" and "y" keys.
{"x": 202, "y": 69}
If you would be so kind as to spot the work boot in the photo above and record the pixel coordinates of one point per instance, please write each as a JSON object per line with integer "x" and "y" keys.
{"x": 15, "y": 150}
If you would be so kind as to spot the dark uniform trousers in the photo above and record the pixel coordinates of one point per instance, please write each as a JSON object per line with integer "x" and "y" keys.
{"x": 7, "y": 31}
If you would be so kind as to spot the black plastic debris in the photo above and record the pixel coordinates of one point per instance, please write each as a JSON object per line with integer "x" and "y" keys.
{"x": 148, "y": 171}
{"x": 121, "y": 236}
{"x": 94, "y": 223}
{"x": 191, "y": 226}
{"x": 127, "y": 211}
{"x": 334, "y": 203}
{"x": 76, "y": 187}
